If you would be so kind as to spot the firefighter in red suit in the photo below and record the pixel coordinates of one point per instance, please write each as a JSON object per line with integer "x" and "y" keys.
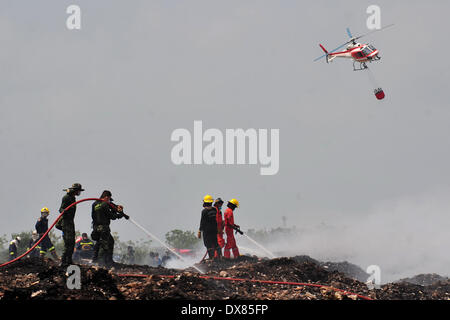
{"x": 220, "y": 224}
{"x": 229, "y": 228}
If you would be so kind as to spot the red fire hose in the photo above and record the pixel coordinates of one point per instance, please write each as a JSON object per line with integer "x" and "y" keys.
{"x": 45, "y": 234}
{"x": 257, "y": 281}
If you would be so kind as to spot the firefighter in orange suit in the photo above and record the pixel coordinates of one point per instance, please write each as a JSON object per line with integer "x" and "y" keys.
{"x": 230, "y": 226}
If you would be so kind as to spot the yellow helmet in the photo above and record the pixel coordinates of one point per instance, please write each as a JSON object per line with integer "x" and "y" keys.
{"x": 45, "y": 210}
{"x": 208, "y": 199}
{"x": 235, "y": 202}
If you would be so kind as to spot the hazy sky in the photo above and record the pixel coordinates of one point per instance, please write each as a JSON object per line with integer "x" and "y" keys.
{"x": 98, "y": 106}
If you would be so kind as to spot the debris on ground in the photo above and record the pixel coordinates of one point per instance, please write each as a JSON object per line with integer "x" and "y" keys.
{"x": 43, "y": 279}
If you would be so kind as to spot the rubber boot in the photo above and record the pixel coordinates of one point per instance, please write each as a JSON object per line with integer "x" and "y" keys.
{"x": 218, "y": 253}
{"x": 95, "y": 254}
{"x": 54, "y": 255}
{"x": 64, "y": 263}
{"x": 109, "y": 262}
{"x": 211, "y": 252}
{"x": 236, "y": 253}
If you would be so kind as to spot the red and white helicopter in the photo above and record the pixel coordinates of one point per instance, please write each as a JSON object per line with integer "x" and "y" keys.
{"x": 360, "y": 53}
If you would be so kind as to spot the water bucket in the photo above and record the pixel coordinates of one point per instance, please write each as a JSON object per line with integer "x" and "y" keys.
{"x": 379, "y": 93}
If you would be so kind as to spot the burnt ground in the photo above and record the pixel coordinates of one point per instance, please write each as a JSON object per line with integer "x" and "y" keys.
{"x": 36, "y": 279}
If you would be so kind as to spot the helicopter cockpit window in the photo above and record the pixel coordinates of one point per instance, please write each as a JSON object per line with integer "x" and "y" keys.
{"x": 372, "y": 47}
{"x": 366, "y": 51}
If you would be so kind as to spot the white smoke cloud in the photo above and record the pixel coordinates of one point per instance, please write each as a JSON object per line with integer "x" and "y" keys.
{"x": 405, "y": 237}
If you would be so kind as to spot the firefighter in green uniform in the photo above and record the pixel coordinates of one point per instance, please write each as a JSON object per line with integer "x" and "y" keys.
{"x": 102, "y": 213}
{"x": 46, "y": 244}
{"x": 67, "y": 224}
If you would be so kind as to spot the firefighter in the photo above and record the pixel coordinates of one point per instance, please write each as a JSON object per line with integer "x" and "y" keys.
{"x": 208, "y": 225}
{"x": 33, "y": 240}
{"x": 41, "y": 226}
{"x": 230, "y": 226}
{"x": 67, "y": 224}
{"x": 102, "y": 213}
{"x": 220, "y": 240}
{"x": 130, "y": 257}
{"x": 13, "y": 248}
{"x": 84, "y": 249}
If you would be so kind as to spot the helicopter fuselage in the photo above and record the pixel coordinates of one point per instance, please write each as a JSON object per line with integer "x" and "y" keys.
{"x": 358, "y": 52}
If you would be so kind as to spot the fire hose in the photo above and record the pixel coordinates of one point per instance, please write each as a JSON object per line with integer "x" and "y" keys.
{"x": 348, "y": 293}
{"x": 45, "y": 234}
{"x": 59, "y": 217}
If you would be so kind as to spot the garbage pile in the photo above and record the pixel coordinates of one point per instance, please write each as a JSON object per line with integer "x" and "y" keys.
{"x": 425, "y": 279}
{"x": 244, "y": 278}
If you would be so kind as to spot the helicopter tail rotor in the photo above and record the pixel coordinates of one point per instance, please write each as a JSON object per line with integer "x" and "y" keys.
{"x": 324, "y": 50}
{"x": 327, "y": 53}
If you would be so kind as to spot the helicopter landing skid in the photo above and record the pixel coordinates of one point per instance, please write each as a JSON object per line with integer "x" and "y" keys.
{"x": 362, "y": 66}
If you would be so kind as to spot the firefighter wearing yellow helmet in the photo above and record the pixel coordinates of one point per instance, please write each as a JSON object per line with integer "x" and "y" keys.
{"x": 41, "y": 226}
{"x": 208, "y": 199}
{"x": 209, "y": 228}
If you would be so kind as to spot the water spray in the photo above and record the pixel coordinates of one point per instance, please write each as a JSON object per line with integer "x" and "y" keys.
{"x": 161, "y": 242}
{"x": 261, "y": 247}
{"x": 254, "y": 252}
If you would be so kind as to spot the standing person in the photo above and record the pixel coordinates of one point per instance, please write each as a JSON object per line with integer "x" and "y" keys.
{"x": 102, "y": 213}
{"x": 13, "y": 248}
{"x": 41, "y": 226}
{"x": 154, "y": 259}
{"x": 229, "y": 228}
{"x": 208, "y": 225}
{"x": 67, "y": 224}
{"x": 220, "y": 240}
{"x": 165, "y": 258}
{"x": 33, "y": 240}
{"x": 129, "y": 257}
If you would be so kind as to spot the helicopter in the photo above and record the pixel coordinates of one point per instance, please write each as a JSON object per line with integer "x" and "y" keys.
{"x": 360, "y": 53}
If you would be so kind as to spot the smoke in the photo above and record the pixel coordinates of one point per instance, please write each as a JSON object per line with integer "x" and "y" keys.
{"x": 404, "y": 237}
{"x": 187, "y": 261}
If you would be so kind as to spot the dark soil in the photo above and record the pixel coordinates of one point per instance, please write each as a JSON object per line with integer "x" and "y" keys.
{"x": 36, "y": 279}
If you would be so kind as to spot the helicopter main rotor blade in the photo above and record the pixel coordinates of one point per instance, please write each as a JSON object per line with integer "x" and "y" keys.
{"x": 349, "y": 33}
{"x": 373, "y": 31}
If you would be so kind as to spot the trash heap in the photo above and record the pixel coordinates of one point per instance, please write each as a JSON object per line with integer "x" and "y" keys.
{"x": 36, "y": 279}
